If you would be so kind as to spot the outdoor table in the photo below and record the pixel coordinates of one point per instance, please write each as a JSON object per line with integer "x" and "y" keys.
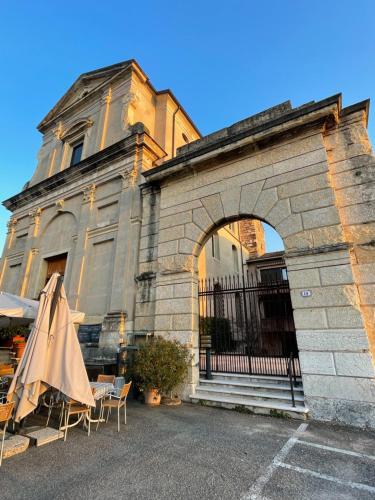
{"x": 101, "y": 390}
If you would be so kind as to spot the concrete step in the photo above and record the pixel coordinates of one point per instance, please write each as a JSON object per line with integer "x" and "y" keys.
{"x": 241, "y": 403}
{"x": 263, "y": 386}
{"x": 238, "y": 377}
{"x": 274, "y": 396}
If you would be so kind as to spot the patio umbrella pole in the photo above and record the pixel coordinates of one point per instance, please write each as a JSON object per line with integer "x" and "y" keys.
{"x": 55, "y": 298}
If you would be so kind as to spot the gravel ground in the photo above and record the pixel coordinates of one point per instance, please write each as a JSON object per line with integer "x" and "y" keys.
{"x": 197, "y": 452}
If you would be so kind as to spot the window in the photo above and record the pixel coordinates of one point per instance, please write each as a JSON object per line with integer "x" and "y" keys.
{"x": 76, "y": 154}
{"x": 235, "y": 258}
{"x": 273, "y": 274}
{"x": 215, "y": 246}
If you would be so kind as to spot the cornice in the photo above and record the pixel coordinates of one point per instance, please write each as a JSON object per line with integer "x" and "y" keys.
{"x": 125, "y": 148}
{"x": 233, "y": 137}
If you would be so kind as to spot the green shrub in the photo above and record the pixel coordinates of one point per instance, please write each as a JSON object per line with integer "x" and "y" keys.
{"x": 220, "y": 332}
{"x": 160, "y": 364}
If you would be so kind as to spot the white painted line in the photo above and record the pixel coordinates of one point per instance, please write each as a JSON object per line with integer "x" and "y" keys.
{"x": 255, "y": 492}
{"x": 336, "y": 450}
{"x": 308, "y": 472}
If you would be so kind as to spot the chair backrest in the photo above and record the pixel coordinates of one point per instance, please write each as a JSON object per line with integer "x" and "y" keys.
{"x": 109, "y": 379}
{"x": 125, "y": 390}
{"x": 6, "y": 411}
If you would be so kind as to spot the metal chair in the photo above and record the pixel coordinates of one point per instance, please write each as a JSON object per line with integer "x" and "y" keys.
{"x": 115, "y": 402}
{"x": 72, "y": 407}
{"x": 109, "y": 379}
{"x": 5, "y": 415}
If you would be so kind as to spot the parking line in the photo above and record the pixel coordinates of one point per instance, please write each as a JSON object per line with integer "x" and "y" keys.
{"x": 336, "y": 450}
{"x": 255, "y": 492}
{"x": 351, "y": 484}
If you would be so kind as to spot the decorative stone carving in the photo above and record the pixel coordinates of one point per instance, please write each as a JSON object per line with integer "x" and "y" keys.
{"x": 89, "y": 193}
{"x": 129, "y": 177}
{"x": 58, "y": 131}
{"x": 35, "y": 215}
{"x": 59, "y": 204}
{"x": 11, "y": 224}
{"x": 107, "y": 97}
{"x": 130, "y": 101}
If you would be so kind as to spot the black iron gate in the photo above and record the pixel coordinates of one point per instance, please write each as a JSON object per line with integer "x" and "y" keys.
{"x": 247, "y": 326}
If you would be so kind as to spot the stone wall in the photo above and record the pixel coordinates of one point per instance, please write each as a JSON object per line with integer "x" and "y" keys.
{"x": 287, "y": 181}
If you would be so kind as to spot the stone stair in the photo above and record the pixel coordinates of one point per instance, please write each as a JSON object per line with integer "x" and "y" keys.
{"x": 265, "y": 395}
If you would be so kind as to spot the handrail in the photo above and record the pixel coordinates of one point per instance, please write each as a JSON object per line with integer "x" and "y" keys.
{"x": 291, "y": 376}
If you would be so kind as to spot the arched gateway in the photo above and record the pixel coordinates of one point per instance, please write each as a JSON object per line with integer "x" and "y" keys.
{"x": 306, "y": 172}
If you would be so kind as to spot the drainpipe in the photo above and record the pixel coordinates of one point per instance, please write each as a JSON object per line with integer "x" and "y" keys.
{"x": 174, "y": 127}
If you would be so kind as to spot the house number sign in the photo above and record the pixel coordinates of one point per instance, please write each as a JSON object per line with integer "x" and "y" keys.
{"x": 306, "y": 293}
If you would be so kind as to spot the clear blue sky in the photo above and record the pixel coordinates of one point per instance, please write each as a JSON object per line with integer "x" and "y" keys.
{"x": 223, "y": 60}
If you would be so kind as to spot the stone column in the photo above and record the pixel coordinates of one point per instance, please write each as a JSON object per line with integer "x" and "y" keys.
{"x": 30, "y": 251}
{"x": 11, "y": 225}
{"x": 127, "y": 246}
{"x": 80, "y": 248}
{"x": 336, "y": 365}
{"x": 176, "y": 314}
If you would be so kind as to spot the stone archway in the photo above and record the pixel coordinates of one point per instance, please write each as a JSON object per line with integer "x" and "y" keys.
{"x": 285, "y": 178}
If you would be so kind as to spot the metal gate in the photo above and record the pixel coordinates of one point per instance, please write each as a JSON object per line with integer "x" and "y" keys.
{"x": 247, "y": 326}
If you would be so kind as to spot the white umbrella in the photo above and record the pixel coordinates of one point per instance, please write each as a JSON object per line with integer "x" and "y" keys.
{"x": 19, "y": 310}
{"x": 52, "y": 356}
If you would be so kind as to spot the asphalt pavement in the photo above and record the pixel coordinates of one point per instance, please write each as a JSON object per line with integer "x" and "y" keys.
{"x": 197, "y": 452}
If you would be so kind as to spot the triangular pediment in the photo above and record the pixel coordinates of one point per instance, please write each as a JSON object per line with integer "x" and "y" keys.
{"x": 85, "y": 85}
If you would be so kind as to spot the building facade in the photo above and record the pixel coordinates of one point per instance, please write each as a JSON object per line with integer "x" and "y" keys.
{"x": 126, "y": 194}
{"x": 80, "y": 214}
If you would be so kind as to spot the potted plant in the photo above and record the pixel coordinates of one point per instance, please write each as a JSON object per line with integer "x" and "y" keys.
{"x": 159, "y": 366}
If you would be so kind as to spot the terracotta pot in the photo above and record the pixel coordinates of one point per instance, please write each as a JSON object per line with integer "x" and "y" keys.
{"x": 19, "y": 348}
{"x": 18, "y": 338}
{"x": 152, "y": 397}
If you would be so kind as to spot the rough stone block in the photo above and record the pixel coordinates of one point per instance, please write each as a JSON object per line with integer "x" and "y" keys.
{"x": 324, "y": 297}
{"x": 230, "y": 199}
{"x": 265, "y": 202}
{"x": 15, "y": 444}
{"x": 163, "y": 322}
{"x": 249, "y": 196}
{"x": 354, "y": 364}
{"x": 193, "y": 232}
{"x": 309, "y": 183}
{"x": 311, "y": 201}
{"x": 344, "y": 317}
{"x": 189, "y": 247}
{"x": 290, "y": 225}
{"x": 310, "y": 318}
{"x": 320, "y": 217}
{"x": 335, "y": 387}
{"x": 168, "y": 248}
{"x": 174, "y": 220}
{"x": 332, "y": 340}
{"x": 317, "y": 362}
{"x": 202, "y": 219}
{"x": 367, "y": 294}
{"x": 171, "y": 233}
{"x": 279, "y": 212}
{"x": 300, "y": 160}
{"x": 304, "y": 278}
{"x": 214, "y": 207}
{"x": 335, "y": 275}
{"x": 359, "y": 214}
{"x": 342, "y": 411}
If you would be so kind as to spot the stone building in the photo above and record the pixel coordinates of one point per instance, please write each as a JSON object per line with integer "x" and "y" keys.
{"x": 80, "y": 214}
{"x": 126, "y": 193}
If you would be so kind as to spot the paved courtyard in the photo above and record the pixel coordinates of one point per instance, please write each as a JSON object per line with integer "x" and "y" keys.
{"x": 197, "y": 452}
